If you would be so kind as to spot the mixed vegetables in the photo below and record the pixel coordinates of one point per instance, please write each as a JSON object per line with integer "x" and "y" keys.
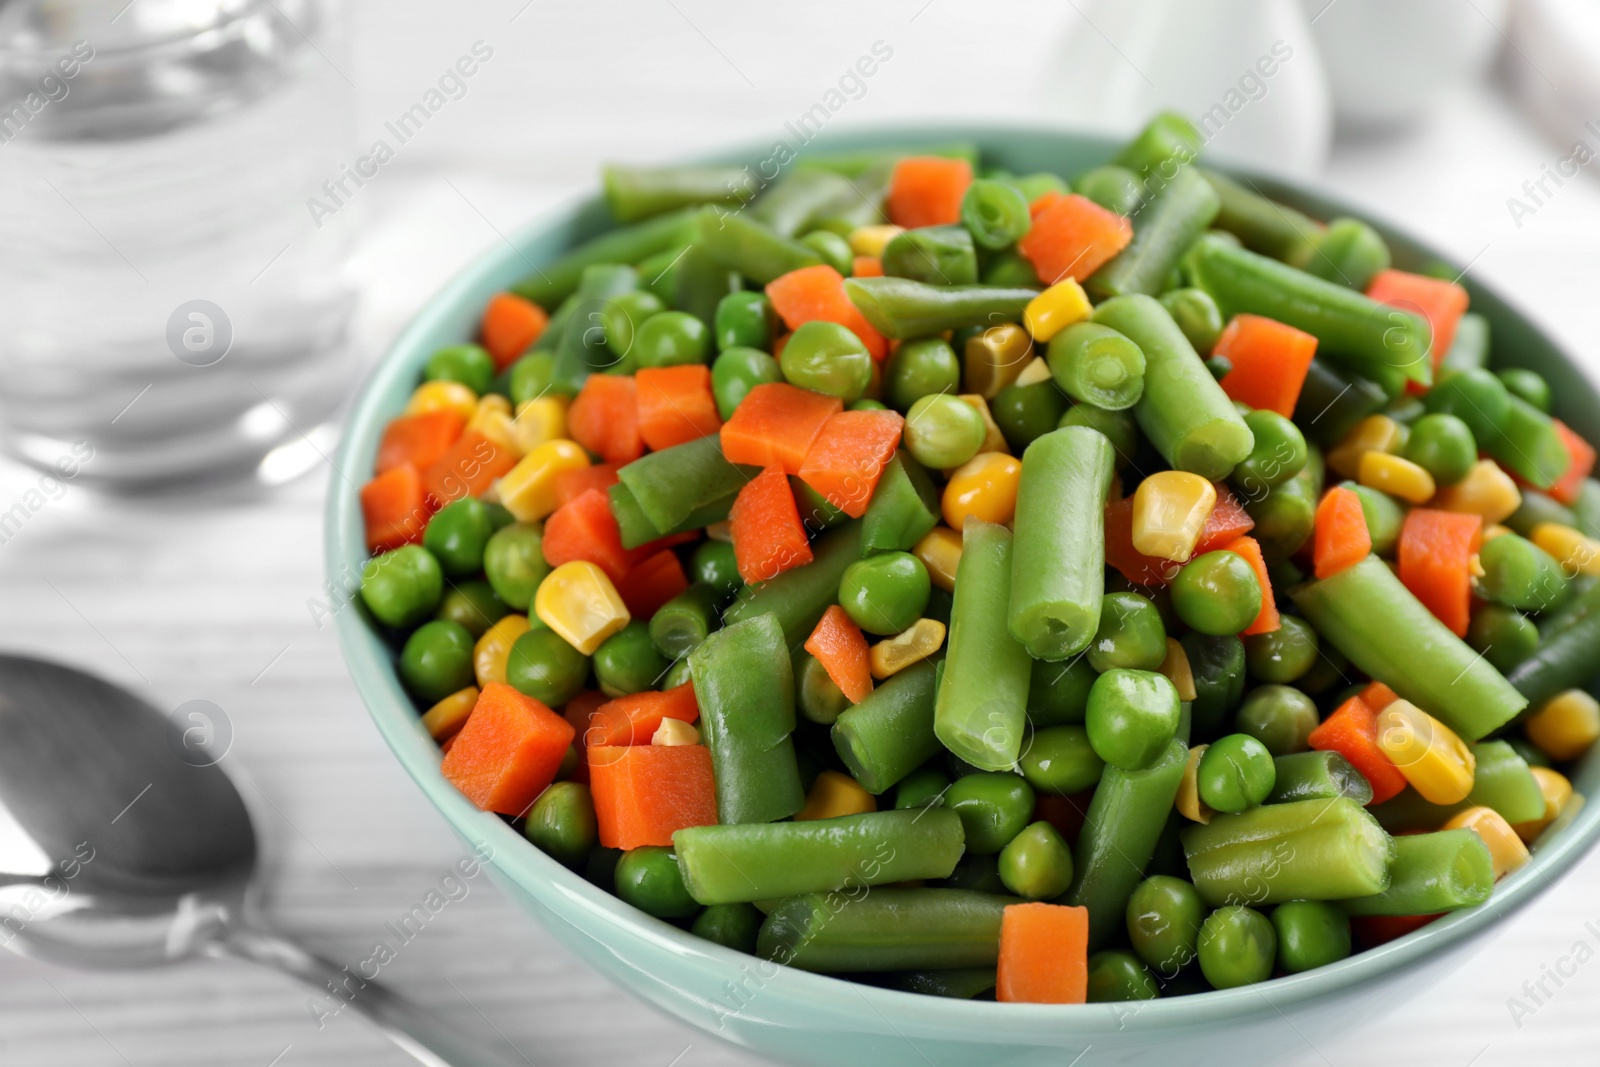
{"x": 985, "y": 584}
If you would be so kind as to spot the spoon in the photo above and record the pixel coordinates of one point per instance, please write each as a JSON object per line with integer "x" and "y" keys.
{"x": 123, "y": 846}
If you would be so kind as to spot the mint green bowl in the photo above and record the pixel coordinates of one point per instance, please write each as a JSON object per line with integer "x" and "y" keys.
{"x": 803, "y": 1018}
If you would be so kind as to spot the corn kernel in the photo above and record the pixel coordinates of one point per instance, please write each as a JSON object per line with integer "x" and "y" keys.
{"x": 447, "y": 717}
{"x": 1557, "y": 792}
{"x": 578, "y": 601}
{"x": 995, "y": 357}
{"x": 1396, "y": 476}
{"x": 1506, "y": 850}
{"x": 1034, "y": 373}
{"x": 993, "y": 439}
{"x": 489, "y": 654}
{"x": 539, "y": 420}
{"x": 1565, "y": 725}
{"x": 1576, "y": 553}
{"x": 912, "y": 645}
{"x": 1494, "y": 530}
{"x": 492, "y": 418}
{"x": 984, "y": 487}
{"x": 674, "y": 732}
{"x": 528, "y": 490}
{"x": 1486, "y": 490}
{"x": 1188, "y": 803}
{"x": 443, "y": 396}
{"x": 940, "y": 552}
{"x": 1436, "y": 762}
{"x": 1170, "y": 509}
{"x": 1375, "y": 433}
{"x": 1177, "y": 670}
{"x": 1053, "y": 310}
{"x": 834, "y": 794}
{"x": 871, "y": 240}
{"x": 720, "y": 531}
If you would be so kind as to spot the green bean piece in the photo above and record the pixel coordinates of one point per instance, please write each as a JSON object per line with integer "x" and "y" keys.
{"x": 790, "y": 204}
{"x": 860, "y": 163}
{"x": 1037, "y": 863}
{"x": 904, "y": 507}
{"x": 732, "y": 926}
{"x": 1119, "y": 975}
{"x": 1348, "y": 252}
{"x": 1166, "y": 143}
{"x": 994, "y": 808}
{"x": 799, "y": 596}
{"x": 1470, "y": 349}
{"x": 682, "y": 623}
{"x": 1163, "y": 915}
{"x": 1527, "y": 384}
{"x": 738, "y": 242}
{"x": 658, "y": 274}
{"x": 885, "y": 930}
{"x": 817, "y": 512}
{"x": 1196, "y": 315}
{"x": 890, "y": 733}
{"x": 1167, "y": 224}
{"x": 1278, "y": 716}
{"x": 975, "y": 871}
{"x": 1535, "y": 508}
{"x": 581, "y": 348}
{"x": 671, "y": 484}
{"x": 1586, "y": 509}
{"x": 1503, "y": 636}
{"x": 700, "y": 282}
{"x": 1501, "y": 781}
{"x": 1527, "y": 442}
{"x": 1283, "y": 655}
{"x": 994, "y": 213}
{"x": 1059, "y": 760}
{"x": 935, "y": 255}
{"x": 1566, "y": 657}
{"x": 552, "y": 283}
{"x": 1304, "y": 850}
{"x": 1237, "y": 946}
{"x": 1520, "y": 574}
{"x": 1430, "y": 873}
{"x": 1332, "y": 400}
{"x": 902, "y": 308}
{"x": 1317, "y": 776}
{"x": 1218, "y": 666}
{"x": 1263, "y": 225}
{"x": 959, "y": 983}
{"x": 636, "y": 527}
{"x": 1058, "y": 692}
{"x": 1112, "y": 187}
{"x": 634, "y": 193}
{"x": 1311, "y": 934}
{"x": 1098, "y": 366}
{"x": 1384, "y": 514}
{"x": 1009, "y": 269}
{"x": 677, "y": 674}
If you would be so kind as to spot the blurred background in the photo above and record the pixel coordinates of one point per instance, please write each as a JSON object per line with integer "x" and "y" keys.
{"x": 216, "y": 214}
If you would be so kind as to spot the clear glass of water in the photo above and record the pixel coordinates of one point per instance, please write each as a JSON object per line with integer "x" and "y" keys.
{"x": 172, "y": 313}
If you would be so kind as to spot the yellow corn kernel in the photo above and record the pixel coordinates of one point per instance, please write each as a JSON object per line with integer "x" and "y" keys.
{"x": 1035, "y": 372}
{"x": 912, "y": 645}
{"x": 1575, "y": 552}
{"x": 1486, "y": 490}
{"x": 528, "y": 490}
{"x": 995, "y": 357}
{"x": 443, "y": 396}
{"x": 1170, "y": 509}
{"x": 1053, "y": 310}
{"x": 1494, "y": 530}
{"x": 1396, "y": 476}
{"x": 492, "y": 418}
{"x": 1557, "y": 792}
{"x": 578, "y": 601}
{"x": 993, "y": 439}
{"x": 1475, "y": 566}
{"x": 1436, "y": 762}
{"x": 1506, "y": 850}
{"x": 720, "y": 531}
{"x": 871, "y": 240}
{"x": 1565, "y": 725}
{"x": 834, "y": 794}
{"x": 1189, "y": 804}
{"x": 1176, "y": 668}
{"x": 539, "y": 420}
{"x": 1377, "y": 433}
{"x": 984, "y": 487}
{"x": 940, "y": 552}
{"x": 674, "y": 732}
{"x": 489, "y": 654}
{"x": 447, "y": 717}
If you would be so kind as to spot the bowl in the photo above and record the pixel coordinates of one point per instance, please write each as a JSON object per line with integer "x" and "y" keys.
{"x": 803, "y": 1018}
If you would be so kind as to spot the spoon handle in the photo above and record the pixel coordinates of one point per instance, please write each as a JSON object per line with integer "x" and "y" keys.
{"x": 430, "y": 1039}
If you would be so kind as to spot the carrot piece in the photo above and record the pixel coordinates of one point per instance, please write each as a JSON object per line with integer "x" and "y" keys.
{"x": 643, "y": 793}
{"x": 927, "y": 191}
{"x": 633, "y": 719}
{"x": 676, "y": 405}
{"x": 394, "y": 509}
{"x": 1269, "y": 362}
{"x": 604, "y": 418}
{"x": 817, "y": 293}
{"x": 1341, "y": 538}
{"x": 866, "y": 267}
{"x": 848, "y": 456}
{"x": 1352, "y": 731}
{"x": 775, "y": 425}
{"x": 1267, "y": 620}
{"x": 1044, "y": 955}
{"x": 418, "y": 439}
{"x": 510, "y": 325}
{"x": 584, "y": 529}
{"x": 1442, "y": 303}
{"x": 467, "y": 468}
{"x": 651, "y": 582}
{"x": 839, "y": 646}
{"x": 768, "y": 537}
{"x": 580, "y": 713}
{"x": 1378, "y": 696}
{"x": 571, "y": 484}
{"x": 1072, "y": 237}
{"x": 508, "y": 752}
{"x": 1134, "y": 565}
{"x": 1435, "y": 556}
{"x": 1228, "y": 520}
{"x": 1570, "y": 484}
{"x": 1370, "y": 931}
{"x": 1044, "y": 201}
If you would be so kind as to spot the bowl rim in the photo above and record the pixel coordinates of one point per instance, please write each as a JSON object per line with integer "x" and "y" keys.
{"x": 371, "y": 666}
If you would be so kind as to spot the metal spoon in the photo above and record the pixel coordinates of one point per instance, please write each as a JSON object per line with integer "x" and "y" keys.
{"x": 119, "y": 848}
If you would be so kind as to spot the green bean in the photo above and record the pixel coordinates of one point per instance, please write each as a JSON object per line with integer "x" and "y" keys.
{"x": 995, "y": 213}
{"x": 1303, "y": 850}
{"x": 1263, "y": 225}
{"x": 1098, "y": 366}
{"x": 817, "y": 696}
{"x": 739, "y": 242}
{"x": 658, "y": 274}
{"x": 1586, "y": 509}
{"x": 1333, "y": 399}
{"x": 1167, "y": 224}
{"x": 581, "y": 347}
{"x": 636, "y": 527}
{"x": 1317, "y": 776}
{"x": 960, "y": 983}
{"x": 1166, "y": 143}
{"x": 890, "y": 733}
{"x": 671, "y": 484}
{"x": 733, "y": 926}
{"x": 1218, "y": 666}
{"x": 552, "y": 283}
{"x": 1431, "y": 873}
{"x": 1384, "y": 515}
{"x": 1535, "y": 508}
{"x": 885, "y": 930}
{"x": 904, "y": 507}
{"x": 1196, "y": 315}
{"x": 680, "y": 625}
{"x": 1470, "y": 349}
{"x": 700, "y": 282}
{"x": 902, "y": 308}
{"x": 1505, "y": 637}
{"x": 799, "y": 596}
{"x": 858, "y": 163}
{"x": 1568, "y": 652}
{"x": 1501, "y": 780}
{"x": 799, "y": 197}
{"x": 1112, "y": 187}
{"x": 634, "y": 193}
{"x": 1348, "y": 252}
{"x": 935, "y": 255}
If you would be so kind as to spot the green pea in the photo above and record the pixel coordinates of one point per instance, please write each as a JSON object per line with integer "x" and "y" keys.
{"x": 730, "y": 925}
{"x": 1025, "y": 413}
{"x": 1037, "y": 863}
{"x": 885, "y": 593}
{"x": 994, "y": 808}
{"x": 670, "y": 339}
{"x": 1118, "y": 426}
{"x": 531, "y": 377}
{"x": 1527, "y": 384}
{"x": 737, "y": 371}
{"x": 1219, "y": 366}
{"x": 1237, "y": 947}
{"x": 621, "y": 319}
{"x": 1281, "y": 656}
{"x": 562, "y": 823}
{"x": 1060, "y": 760}
{"x": 1132, "y": 717}
{"x": 1443, "y": 446}
{"x": 676, "y": 674}
{"x": 648, "y": 878}
{"x": 499, "y": 517}
{"x": 943, "y": 431}
{"x": 1217, "y": 664}
{"x": 1116, "y": 975}
{"x": 627, "y": 661}
{"x": 1058, "y": 693}
{"x": 922, "y": 367}
{"x": 1331, "y": 669}
{"x": 921, "y": 789}
{"x": 470, "y": 365}
{"x": 1235, "y": 774}
{"x": 713, "y": 563}
{"x": 1476, "y": 395}
{"x": 1130, "y": 634}
{"x": 542, "y": 665}
{"x": 1284, "y": 516}
{"x": 1112, "y": 187}
{"x": 474, "y": 604}
{"x": 457, "y": 535}
{"x": 744, "y": 320}
{"x": 827, "y": 358}
{"x": 1279, "y": 453}
{"x": 817, "y": 696}
{"x": 437, "y": 660}
{"x": 1384, "y": 514}
{"x": 1217, "y": 593}
{"x": 834, "y": 250}
{"x": 514, "y": 563}
{"x": 1012, "y": 270}
{"x": 401, "y": 588}
{"x": 1196, "y": 314}
{"x": 1504, "y": 635}
{"x": 1278, "y": 716}
{"x": 1164, "y": 915}
{"x": 1311, "y": 933}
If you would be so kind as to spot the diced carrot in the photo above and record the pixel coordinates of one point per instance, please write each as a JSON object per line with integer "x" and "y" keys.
{"x": 1044, "y": 954}
{"x": 927, "y": 191}
{"x": 1267, "y": 620}
{"x": 394, "y": 509}
{"x": 418, "y": 439}
{"x": 1370, "y": 931}
{"x": 651, "y": 582}
{"x": 467, "y": 468}
{"x": 1134, "y": 565}
{"x": 1269, "y": 362}
{"x": 508, "y": 752}
{"x": 768, "y": 537}
{"x": 1435, "y": 555}
{"x": 676, "y": 405}
{"x": 1341, "y": 538}
{"x": 644, "y": 793}
{"x": 604, "y": 418}
{"x": 1570, "y": 484}
{"x": 817, "y": 293}
{"x": 1043, "y": 202}
{"x": 510, "y": 325}
{"x": 633, "y": 719}
{"x": 584, "y": 529}
{"x": 866, "y": 267}
{"x": 1377, "y": 696}
{"x": 580, "y": 712}
{"x": 1066, "y": 814}
{"x": 1227, "y": 521}
{"x": 571, "y": 484}
{"x": 1442, "y": 303}
{"x": 839, "y": 646}
{"x": 848, "y": 456}
{"x": 1352, "y": 731}
{"x": 775, "y": 424}
{"x": 1072, "y": 237}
